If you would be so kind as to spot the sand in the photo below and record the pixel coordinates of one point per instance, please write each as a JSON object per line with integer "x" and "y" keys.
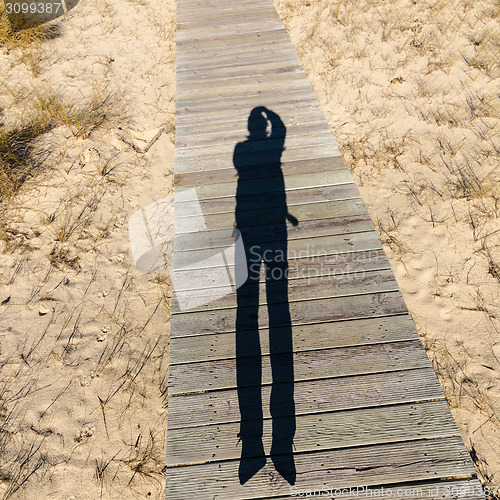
{"x": 83, "y": 333}
{"x": 410, "y": 90}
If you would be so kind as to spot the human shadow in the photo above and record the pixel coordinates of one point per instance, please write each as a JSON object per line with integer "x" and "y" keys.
{"x": 261, "y": 216}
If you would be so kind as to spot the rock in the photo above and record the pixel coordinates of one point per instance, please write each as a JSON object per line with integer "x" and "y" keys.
{"x": 43, "y": 311}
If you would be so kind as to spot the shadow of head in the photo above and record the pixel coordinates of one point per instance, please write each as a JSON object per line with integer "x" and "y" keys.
{"x": 258, "y": 123}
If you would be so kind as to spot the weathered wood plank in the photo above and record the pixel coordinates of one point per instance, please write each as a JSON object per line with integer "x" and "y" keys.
{"x": 336, "y": 183}
{"x": 266, "y": 83}
{"x": 234, "y": 30}
{"x": 308, "y": 365}
{"x": 299, "y": 268}
{"x": 226, "y": 51}
{"x": 192, "y": 252}
{"x": 322, "y": 194}
{"x": 194, "y": 45}
{"x": 312, "y": 396}
{"x": 224, "y": 124}
{"x": 358, "y": 466}
{"x": 312, "y": 286}
{"x": 211, "y": 12}
{"x": 233, "y": 16}
{"x": 217, "y": 37}
{"x": 284, "y": 103}
{"x": 333, "y": 267}
{"x": 372, "y": 305}
{"x": 221, "y": 127}
{"x": 223, "y": 57}
{"x": 202, "y": 163}
{"x": 264, "y": 66}
{"x": 318, "y": 432}
{"x": 237, "y": 106}
{"x": 255, "y": 147}
{"x": 264, "y": 217}
{"x": 312, "y": 239}
{"x": 236, "y": 135}
{"x": 326, "y": 171}
{"x": 223, "y": 75}
{"x": 305, "y": 338}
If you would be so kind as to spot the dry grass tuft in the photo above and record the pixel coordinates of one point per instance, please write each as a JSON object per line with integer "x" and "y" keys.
{"x": 80, "y": 119}
{"x": 18, "y": 158}
{"x": 16, "y": 155}
{"x": 23, "y": 36}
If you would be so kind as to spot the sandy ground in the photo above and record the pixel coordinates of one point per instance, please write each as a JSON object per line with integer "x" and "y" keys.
{"x": 83, "y": 334}
{"x": 411, "y": 90}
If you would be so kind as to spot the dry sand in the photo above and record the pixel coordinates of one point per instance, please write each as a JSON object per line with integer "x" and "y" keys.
{"x": 83, "y": 334}
{"x": 410, "y": 90}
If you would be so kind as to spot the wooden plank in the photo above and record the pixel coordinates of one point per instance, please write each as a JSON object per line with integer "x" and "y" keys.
{"x": 227, "y": 50}
{"x": 312, "y": 396}
{"x": 308, "y": 365}
{"x": 219, "y": 38}
{"x": 372, "y": 305}
{"x": 265, "y": 217}
{"x": 326, "y": 171}
{"x": 238, "y": 102}
{"x": 212, "y": 13}
{"x": 305, "y": 338}
{"x": 337, "y": 182}
{"x": 311, "y": 240}
{"x": 223, "y": 126}
{"x": 220, "y": 124}
{"x": 225, "y": 74}
{"x": 229, "y": 21}
{"x": 192, "y": 251}
{"x": 300, "y": 267}
{"x": 253, "y": 160}
{"x": 358, "y": 466}
{"x": 221, "y": 7}
{"x": 235, "y": 135}
{"x": 225, "y": 53}
{"x": 267, "y": 83}
{"x": 234, "y": 30}
{"x": 234, "y": 16}
{"x": 255, "y": 147}
{"x": 322, "y": 194}
{"x": 283, "y": 103}
{"x": 238, "y": 66}
{"x": 315, "y": 432}
{"x": 311, "y": 286}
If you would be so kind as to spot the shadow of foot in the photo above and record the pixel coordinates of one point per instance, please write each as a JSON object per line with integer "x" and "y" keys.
{"x": 282, "y": 457}
{"x": 252, "y": 460}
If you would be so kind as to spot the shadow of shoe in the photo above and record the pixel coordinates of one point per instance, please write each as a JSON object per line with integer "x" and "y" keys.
{"x": 282, "y": 457}
{"x": 252, "y": 460}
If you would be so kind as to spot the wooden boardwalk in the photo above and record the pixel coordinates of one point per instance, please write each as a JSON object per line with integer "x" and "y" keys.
{"x": 356, "y": 393}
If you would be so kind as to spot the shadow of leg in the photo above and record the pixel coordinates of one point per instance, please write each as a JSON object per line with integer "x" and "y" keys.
{"x": 249, "y": 377}
{"x": 282, "y": 404}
